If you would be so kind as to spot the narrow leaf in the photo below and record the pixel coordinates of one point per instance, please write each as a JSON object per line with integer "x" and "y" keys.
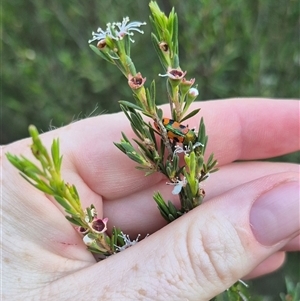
{"x": 130, "y": 105}
{"x": 104, "y": 55}
{"x": 74, "y": 220}
{"x": 191, "y": 114}
{"x": 62, "y": 202}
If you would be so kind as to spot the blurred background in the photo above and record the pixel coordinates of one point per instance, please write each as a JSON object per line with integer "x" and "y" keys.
{"x": 50, "y": 76}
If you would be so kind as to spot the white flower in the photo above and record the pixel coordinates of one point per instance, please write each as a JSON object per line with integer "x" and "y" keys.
{"x": 178, "y": 185}
{"x": 88, "y": 241}
{"x": 99, "y": 35}
{"x": 186, "y": 149}
{"x": 193, "y": 92}
{"x": 126, "y": 28}
{"x": 127, "y": 242}
{"x": 117, "y": 30}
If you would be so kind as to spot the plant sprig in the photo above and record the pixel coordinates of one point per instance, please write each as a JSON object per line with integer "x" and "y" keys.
{"x": 164, "y": 145}
{"x": 47, "y": 178}
{"x": 176, "y": 138}
{"x": 152, "y": 154}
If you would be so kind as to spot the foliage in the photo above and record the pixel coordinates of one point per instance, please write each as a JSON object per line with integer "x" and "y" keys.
{"x": 46, "y": 177}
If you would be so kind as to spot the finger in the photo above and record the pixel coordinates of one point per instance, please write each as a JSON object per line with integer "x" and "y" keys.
{"x": 271, "y": 264}
{"x": 201, "y": 254}
{"x": 247, "y": 129}
{"x": 138, "y": 214}
{"x": 237, "y": 129}
{"x": 293, "y": 245}
{"x": 237, "y": 173}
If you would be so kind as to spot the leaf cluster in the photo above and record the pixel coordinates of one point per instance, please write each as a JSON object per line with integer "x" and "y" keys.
{"x": 46, "y": 177}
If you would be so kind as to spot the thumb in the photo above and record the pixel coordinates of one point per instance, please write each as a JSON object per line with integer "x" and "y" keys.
{"x": 204, "y": 252}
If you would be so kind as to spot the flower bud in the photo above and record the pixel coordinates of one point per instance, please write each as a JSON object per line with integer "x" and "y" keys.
{"x": 136, "y": 82}
{"x": 99, "y": 225}
{"x": 175, "y": 76}
{"x": 164, "y": 46}
{"x": 101, "y": 44}
{"x": 192, "y": 94}
{"x": 185, "y": 85}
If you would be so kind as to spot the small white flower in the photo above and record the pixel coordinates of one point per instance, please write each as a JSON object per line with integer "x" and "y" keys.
{"x": 88, "y": 241}
{"x": 197, "y": 144}
{"x": 126, "y": 28}
{"x": 179, "y": 149}
{"x": 193, "y": 92}
{"x": 118, "y": 30}
{"x": 127, "y": 242}
{"x": 185, "y": 149}
{"x": 178, "y": 185}
{"x": 99, "y": 35}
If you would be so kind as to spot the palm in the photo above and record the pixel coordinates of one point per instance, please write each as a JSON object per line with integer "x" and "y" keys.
{"x": 48, "y": 246}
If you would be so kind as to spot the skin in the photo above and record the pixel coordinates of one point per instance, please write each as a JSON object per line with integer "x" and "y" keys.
{"x": 194, "y": 258}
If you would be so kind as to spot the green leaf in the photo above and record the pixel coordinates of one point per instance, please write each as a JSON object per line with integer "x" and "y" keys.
{"x": 120, "y": 147}
{"x": 75, "y": 194}
{"x": 163, "y": 60}
{"x": 214, "y": 170}
{"x": 160, "y": 201}
{"x": 150, "y": 101}
{"x": 135, "y": 157}
{"x": 103, "y": 54}
{"x": 293, "y": 291}
{"x": 97, "y": 251}
{"x": 147, "y": 114}
{"x": 137, "y": 122}
{"x": 175, "y": 61}
{"x": 33, "y": 132}
{"x": 33, "y": 183}
{"x": 130, "y": 65}
{"x": 153, "y": 138}
{"x": 153, "y": 91}
{"x": 74, "y": 220}
{"x": 172, "y": 209}
{"x": 159, "y": 113}
{"x": 14, "y": 160}
{"x": 44, "y": 187}
{"x": 191, "y": 114}
{"x": 127, "y": 147}
{"x": 127, "y": 45}
{"x": 130, "y": 105}
{"x": 119, "y": 64}
{"x": 202, "y": 137}
{"x": 143, "y": 148}
{"x": 62, "y": 202}
{"x": 175, "y": 34}
{"x": 56, "y": 158}
{"x": 171, "y": 218}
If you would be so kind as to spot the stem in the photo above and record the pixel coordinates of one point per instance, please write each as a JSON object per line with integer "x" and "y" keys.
{"x": 177, "y": 103}
{"x": 164, "y": 135}
{"x": 104, "y": 244}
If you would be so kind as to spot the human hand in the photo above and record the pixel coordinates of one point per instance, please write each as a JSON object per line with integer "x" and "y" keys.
{"x": 249, "y": 219}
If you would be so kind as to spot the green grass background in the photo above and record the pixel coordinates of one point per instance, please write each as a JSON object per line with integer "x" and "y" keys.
{"x": 232, "y": 47}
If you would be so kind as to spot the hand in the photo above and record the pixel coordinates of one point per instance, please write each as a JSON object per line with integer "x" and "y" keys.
{"x": 249, "y": 219}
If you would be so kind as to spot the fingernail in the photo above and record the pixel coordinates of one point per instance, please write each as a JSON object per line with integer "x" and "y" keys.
{"x": 275, "y": 215}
